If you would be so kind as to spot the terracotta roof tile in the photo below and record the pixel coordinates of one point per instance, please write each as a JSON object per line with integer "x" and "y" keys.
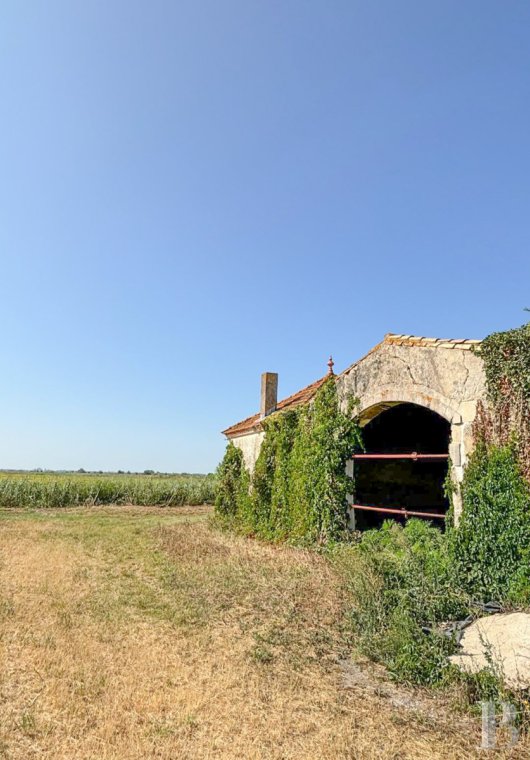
{"x": 298, "y": 398}
{"x": 416, "y": 340}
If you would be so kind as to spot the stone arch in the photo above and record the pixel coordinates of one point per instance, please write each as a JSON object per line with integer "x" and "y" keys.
{"x": 383, "y": 397}
{"x": 392, "y": 474}
{"x": 376, "y": 400}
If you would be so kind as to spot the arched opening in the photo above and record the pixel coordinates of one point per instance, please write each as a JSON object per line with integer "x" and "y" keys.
{"x": 404, "y": 467}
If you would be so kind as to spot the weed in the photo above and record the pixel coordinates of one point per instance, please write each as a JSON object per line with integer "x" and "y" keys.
{"x": 401, "y": 585}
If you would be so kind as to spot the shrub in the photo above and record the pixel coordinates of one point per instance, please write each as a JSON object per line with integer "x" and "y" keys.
{"x": 490, "y": 545}
{"x": 229, "y": 477}
{"x": 401, "y": 582}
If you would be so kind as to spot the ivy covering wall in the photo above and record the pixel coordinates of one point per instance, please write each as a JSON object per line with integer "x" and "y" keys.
{"x": 298, "y": 488}
{"x": 505, "y": 419}
{"x": 491, "y": 544}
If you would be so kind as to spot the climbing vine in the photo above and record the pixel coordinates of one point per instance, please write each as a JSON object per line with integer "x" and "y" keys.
{"x": 490, "y": 544}
{"x": 327, "y": 437}
{"x": 505, "y": 417}
{"x": 298, "y": 488}
{"x": 272, "y": 476}
{"x": 231, "y": 476}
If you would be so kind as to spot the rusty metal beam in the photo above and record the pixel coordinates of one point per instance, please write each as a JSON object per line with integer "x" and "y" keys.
{"x": 402, "y": 512}
{"x": 414, "y": 456}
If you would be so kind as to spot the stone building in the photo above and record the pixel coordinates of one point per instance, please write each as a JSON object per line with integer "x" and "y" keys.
{"x": 417, "y": 400}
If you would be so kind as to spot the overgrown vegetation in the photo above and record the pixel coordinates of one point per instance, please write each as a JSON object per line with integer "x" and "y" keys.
{"x": 491, "y": 546}
{"x": 402, "y": 584}
{"x": 491, "y": 543}
{"x": 65, "y": 490}
{"x": 405, "y": 589}
{"x": 228, "y": 496}
{"x": 298, "y": 488}
{"x": 405, "y": 582}
{"x": 505, "y": 418}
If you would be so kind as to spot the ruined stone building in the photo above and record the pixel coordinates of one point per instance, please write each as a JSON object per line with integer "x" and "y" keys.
{"x": 417, "y": 399}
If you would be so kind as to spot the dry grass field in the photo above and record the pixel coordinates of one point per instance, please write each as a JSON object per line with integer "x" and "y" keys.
{"x": 146, "y": 633}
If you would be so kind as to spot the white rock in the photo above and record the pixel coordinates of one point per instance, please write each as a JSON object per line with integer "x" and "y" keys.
{"x": 500, "y": 643}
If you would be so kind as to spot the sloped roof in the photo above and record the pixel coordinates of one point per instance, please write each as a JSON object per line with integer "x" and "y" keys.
{"x": 251, "y": 424}
{"x": 415, "y": 340}
{"x": 298, "y": 398}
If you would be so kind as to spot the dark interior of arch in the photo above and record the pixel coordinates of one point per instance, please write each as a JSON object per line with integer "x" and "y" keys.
{"x": 416, "y": 485}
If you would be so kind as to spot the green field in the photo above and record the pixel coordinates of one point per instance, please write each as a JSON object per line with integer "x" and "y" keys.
{"x": 51, "y": 489}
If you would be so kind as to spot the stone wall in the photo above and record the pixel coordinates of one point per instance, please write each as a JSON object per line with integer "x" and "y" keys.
{"x": 250, "y": 445}
{"x": 445, "y": 378}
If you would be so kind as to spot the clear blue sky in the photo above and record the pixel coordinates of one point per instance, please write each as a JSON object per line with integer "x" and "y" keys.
{"x": 195, "y": 191}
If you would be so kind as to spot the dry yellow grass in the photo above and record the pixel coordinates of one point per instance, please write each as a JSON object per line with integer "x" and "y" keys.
{"x": 144, "y": 633}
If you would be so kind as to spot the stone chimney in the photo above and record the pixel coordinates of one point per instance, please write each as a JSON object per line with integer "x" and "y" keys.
{"x": 269, "y": 393}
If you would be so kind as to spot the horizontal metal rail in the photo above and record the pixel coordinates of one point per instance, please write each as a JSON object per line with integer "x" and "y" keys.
{"x": 414, "y": 456}
{"x": 402, "y": 512}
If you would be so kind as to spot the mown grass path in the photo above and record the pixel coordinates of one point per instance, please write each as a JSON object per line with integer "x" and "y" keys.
{"x": 145, "y": 633}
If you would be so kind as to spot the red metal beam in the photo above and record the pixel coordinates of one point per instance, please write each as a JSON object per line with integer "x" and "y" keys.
{"x": 413, "y": 456}
{"x": 402, "y": 512}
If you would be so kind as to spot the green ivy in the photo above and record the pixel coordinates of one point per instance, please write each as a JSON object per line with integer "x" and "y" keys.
{"x": 233, "y": 481}
{"x": 327, "y": 437}
{"x": 506, "y": 357}
{"x": 298, "y": 488}
{"x": 283, "y": 431}
{"x": 490, "y": 545}
{"x": 272, "y": 476}
{"x": 505, "y": 418}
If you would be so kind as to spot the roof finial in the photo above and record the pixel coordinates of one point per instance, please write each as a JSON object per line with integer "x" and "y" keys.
{"x": 331, "y": 364}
